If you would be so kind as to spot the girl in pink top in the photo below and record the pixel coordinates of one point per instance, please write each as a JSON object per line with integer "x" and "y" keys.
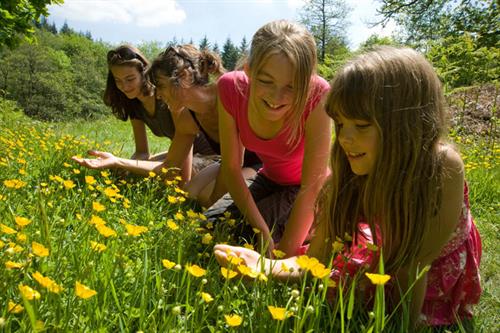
{"x": 393, "y": 176}
{"x": 275, "y": 108}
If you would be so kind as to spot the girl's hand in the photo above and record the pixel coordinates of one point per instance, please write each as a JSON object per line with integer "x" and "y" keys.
{"x": 104, "y": 160}
{"x": 250, "y": 258}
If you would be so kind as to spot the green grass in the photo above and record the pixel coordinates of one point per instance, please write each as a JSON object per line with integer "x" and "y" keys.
{"x": 134, "y": 290}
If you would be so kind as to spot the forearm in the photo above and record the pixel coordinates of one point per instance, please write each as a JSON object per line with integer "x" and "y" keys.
{"x": 138, "y": 167}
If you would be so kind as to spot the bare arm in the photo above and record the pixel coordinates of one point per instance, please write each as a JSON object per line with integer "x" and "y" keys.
{"x": 318, "y": 136}
{"x": 232, "y": 157}
{"x": 444, "y": 225}
{"x": 140, "y": 139}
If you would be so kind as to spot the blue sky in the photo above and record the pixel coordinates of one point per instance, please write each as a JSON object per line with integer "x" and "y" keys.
{"x": 137, "y": 21}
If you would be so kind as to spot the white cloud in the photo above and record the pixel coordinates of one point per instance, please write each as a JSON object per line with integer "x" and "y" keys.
{"x": 143, "y": 13}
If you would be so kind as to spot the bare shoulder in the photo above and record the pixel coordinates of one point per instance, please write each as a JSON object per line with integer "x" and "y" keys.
{"x": 453, "y": 166}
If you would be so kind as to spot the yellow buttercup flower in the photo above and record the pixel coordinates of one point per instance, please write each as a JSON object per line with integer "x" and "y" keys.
{"x": 39, "y": 250}
{"x": 206, "y": 239}
{"x": 152, "y": 174}
{"x": 135, "y": 230}
{"x": 234, "y": 260}
{"x": 28, "y": 292}
{"x": 278, "y": 313}
{"x": 15, "y": 248}
{"x": 284, "y": 267}
{"x": 228, "y": 273}
{"x": 195, "y": 270}
{"x": 14, "y": 183}
{"x": 14, "y": 308}
{"x": 98, "y": 207}
{"x": 378, "y": 279}
{"x": 171, "y": 199}
{"x": 248, "y": 246}
{"x": 21, "y": 237}
{"x": 105, "y": 231}
{"x": 69, "y": 184}
{"x": 278, "y": 254}
{"x": 96, "y": 220}
{"x": 247, "y": 271}
{"x": 76, "y": 171}
{"x": 179, "y": 216}
{"x": 320, "y": 271}
{"x": 83, "y": 291}
{"x": 233, "y": 320}
{"x": 99, "y": 247}
{"x": 90, "y": 180}
{"x": 47, "y": 282}
{"x": 105, "y": 174}
{"x": 207, "y": 298}
{"x": 22, "y": 221}
{"x": 168, "y": 264}
{"x": 13, "y": 265}
{"x": 337, "y": 246}
{"x": 6, "y": 229}
{"x": 307, "y": 263}
{"x": 172, "y": 225}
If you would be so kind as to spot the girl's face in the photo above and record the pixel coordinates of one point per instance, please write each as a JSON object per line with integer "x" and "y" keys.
{"x": 168, "y": 93}
{"x": 128, "y": 80}
{"x": 359, "y": 139}
{"x": 273, "y": 88}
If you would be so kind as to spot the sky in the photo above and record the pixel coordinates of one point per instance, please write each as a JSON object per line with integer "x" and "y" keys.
{"x": 137, "y": 21}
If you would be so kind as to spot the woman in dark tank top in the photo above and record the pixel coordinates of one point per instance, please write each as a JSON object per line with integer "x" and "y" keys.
{"x": 185, "y": 81}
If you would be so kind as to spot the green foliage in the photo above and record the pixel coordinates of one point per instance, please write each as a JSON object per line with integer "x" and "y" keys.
{"x": 326, "y": 20}
{"x": 230, "y": 55}
{"x": 461, "y": 61}
{"x": 16, "y": 17}
{"x": 59, "y": 77}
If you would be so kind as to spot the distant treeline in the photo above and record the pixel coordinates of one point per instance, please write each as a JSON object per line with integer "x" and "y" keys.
{"x": 61, "y": 76}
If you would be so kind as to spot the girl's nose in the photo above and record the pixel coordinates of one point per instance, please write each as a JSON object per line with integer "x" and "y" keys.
{"x": 346, "y": 136}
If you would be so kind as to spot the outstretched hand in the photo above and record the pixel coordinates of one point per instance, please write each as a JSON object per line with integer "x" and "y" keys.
{"x": 103, "y": 160}
{"x": 250, "y": 258}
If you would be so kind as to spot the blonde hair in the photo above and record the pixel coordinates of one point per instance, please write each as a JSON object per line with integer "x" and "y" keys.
{"x": 298, "y": 45}
{"x": 398, "y": 91}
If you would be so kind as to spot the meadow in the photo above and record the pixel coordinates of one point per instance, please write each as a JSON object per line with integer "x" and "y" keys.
{"x": 90, "y": 251}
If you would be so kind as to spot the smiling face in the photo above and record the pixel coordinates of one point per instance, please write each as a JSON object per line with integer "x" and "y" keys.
{"x": 359, "y": 139}
{"x": 128, "y": 80}
{"x": 168, "y": 92}
{"x": 273, "y": 92}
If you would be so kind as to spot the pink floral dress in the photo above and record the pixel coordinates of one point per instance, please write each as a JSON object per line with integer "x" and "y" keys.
{"x": 453, "y": 281}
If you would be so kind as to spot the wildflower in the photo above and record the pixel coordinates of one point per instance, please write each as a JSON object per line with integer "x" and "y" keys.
{"x": 262, "y": 277}
{"x": 176, "y": 310}
{"x": 234, "y": 260}
{"x": 320, "y": 271}
{"x": 83, "y": 291}
{"x": 228, "y": 273}
{"x": 105, "y": 231}
{"x": 14, "y": 183}
{"x": 69, "y": 184}
{"x": 195, "y": 270}
{"x": 111, "y": 192}
{"x": 285, "y": 268}
{"x": 247, "y": 271}
{"x": 96, "y": 220}
{"x": 206, "y": 239}
{"x": 331, "y": 283}
{"x": 47, "y": 282}
{"x": 207, "y": 298}
{"x": 78, "y": 216}
{"x": 168, "y": 264}
{"x": 278, "y": 254}
{"x": 135, "y": 230}
{"x": 21, "y": 237}
{"x": 248, "y": 246}
{"x": 22, "y": 221}
{"x": 13, "y": 265}
{"x": 98, "y": 247}
{"x": 278, "y": 313}
{"x": 172, "y": 225}
{"x": 66, "y": 165}
{"x": 179, "y": 216}
{"x": 337, "y": 246}
{"x": 233, "y": 320}
{"x": 76, "y": 171}
{"x": 191, "y": 214}
{"x": 7, "y": 230}
{"x": 307, "y": 263}
{"x": 14, "y": 248}
{"x": 14, "y": 308}
{"x": 22, "y": 172}
{"x": 28, "y": 292}
{"x": 378, "y": 279}
{"x": 171, "y": 199}
{"x": 105, "y": 174}
{"x": 39, "y": 250}
{"x": 98, "y": 207}
{"x": 90, "y": 180}
{"x": 255, "y": 230}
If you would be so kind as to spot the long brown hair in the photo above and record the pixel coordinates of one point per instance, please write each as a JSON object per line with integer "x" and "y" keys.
{"x": 398, "y": 91}
{"x": 201, "y": 65}
{"x": 125, "y": 55}
{"x": 298, "y": 45}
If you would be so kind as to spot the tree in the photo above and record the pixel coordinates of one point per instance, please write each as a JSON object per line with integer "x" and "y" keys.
{"x": 204, "y": 43}
{"x": 429, "y": 20}
{"x": 17, "y": 17}
{"x": 326, "y": 19}
{"x": 215, "y": 48}
{"x": 230, "y": 55}
{"x": 244, "y": 46}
